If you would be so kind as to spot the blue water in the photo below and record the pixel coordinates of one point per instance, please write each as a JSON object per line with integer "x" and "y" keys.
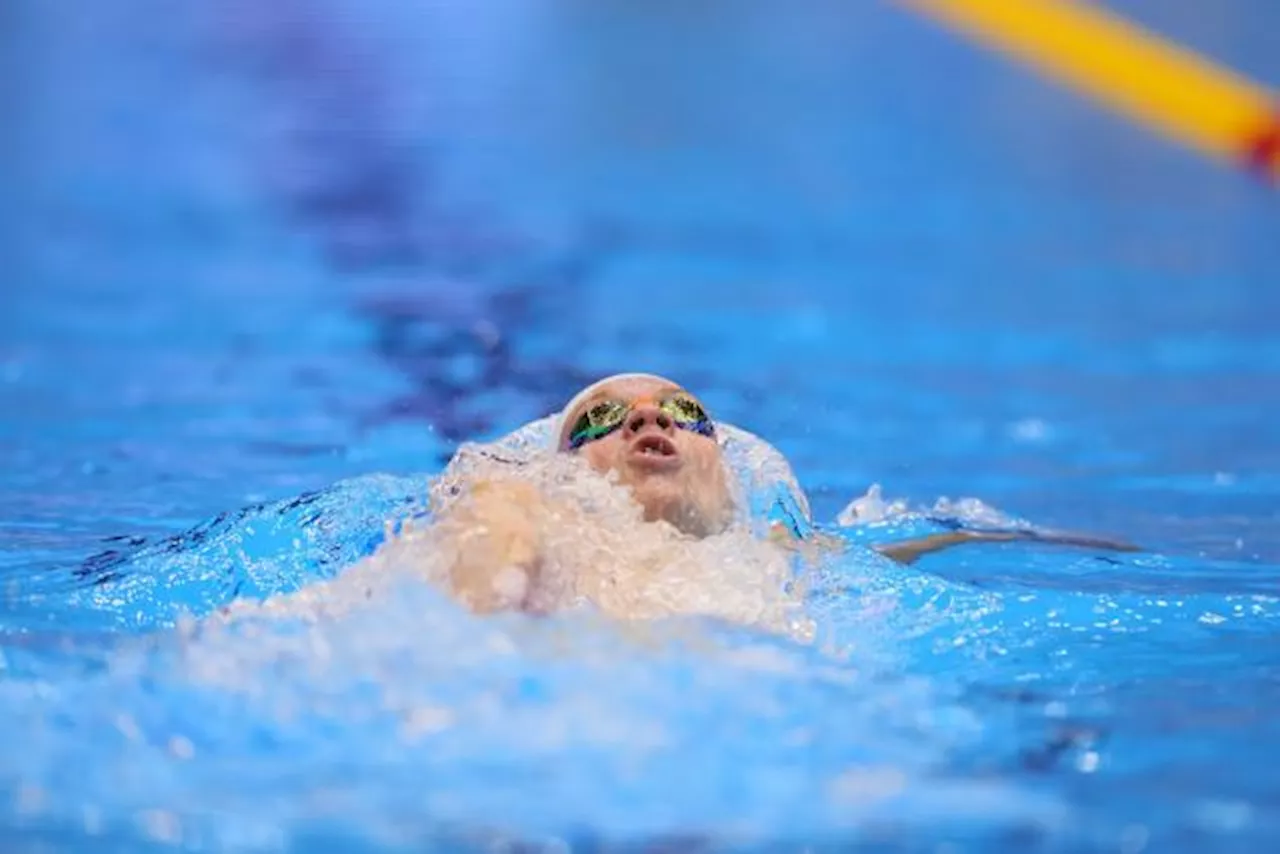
{"x": 268, "y": 264}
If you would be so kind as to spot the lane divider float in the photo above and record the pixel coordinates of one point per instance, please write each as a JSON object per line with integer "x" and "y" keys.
{"x": 1170, "y": 89}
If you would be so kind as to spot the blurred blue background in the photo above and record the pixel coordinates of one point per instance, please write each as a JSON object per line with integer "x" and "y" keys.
{"x": 253, "y": 248}
{"x": 250, "y": 250}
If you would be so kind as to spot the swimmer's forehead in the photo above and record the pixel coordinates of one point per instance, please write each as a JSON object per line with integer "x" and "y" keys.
{"x": 630, "y": 389}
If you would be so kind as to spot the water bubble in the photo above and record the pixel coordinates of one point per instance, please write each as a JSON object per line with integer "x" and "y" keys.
{"x": 181, "y": 747}
{"x": 1134, "y": 838}
{"x": 1029, "y": 430}
{"x": 161, "y": 825}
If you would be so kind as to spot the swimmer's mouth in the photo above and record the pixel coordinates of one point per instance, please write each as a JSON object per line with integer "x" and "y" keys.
{"x": 654, "y": 449}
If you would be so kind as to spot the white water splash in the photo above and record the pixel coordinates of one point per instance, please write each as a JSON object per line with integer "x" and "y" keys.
{"x": 872, "y": 507}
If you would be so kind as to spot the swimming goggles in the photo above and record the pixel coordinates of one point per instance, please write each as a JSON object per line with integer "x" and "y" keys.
{"x": 608, "y": 415}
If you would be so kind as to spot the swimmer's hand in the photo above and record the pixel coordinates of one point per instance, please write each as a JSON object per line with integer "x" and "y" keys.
{"x": 812, "y": 546}
{"x": 909, "y": 551}
{"x": 497, "y": 545}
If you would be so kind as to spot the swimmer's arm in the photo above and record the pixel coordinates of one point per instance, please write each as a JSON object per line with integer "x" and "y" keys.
{"x": 493, "y": 535}
{"x": 909, "y": 551}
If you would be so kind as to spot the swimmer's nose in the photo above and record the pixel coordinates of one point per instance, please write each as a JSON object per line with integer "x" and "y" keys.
{"x": 645, "y": 415}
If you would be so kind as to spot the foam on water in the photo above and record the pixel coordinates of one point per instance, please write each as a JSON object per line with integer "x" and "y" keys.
{"x": 351, "y": 698}
{"x": 598, "y": 552}
{"x": 296, "y": 673}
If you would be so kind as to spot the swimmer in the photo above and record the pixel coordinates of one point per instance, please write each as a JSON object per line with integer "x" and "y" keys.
{"x": 512, "y": 542}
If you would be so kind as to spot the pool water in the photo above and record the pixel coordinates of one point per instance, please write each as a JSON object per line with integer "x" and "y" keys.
{"x": 269, "y": 264}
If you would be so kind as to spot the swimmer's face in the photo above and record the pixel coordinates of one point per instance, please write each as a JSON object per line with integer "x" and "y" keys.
{"x": 657, "y": 438}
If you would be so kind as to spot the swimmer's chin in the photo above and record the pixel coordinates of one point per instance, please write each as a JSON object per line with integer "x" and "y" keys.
{"x": 661, "y": 503}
